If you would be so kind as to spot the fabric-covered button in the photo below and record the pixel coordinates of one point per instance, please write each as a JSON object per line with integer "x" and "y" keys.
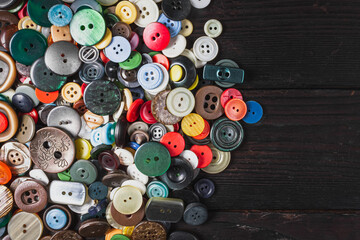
{"x": 7, "y": 200}
{"x": 149, "y": 230}
{"x": 148, "y": 12}
{"x": 176, "y": 10}
{"x": 156, "y": 36}
{"x": 213, "y": 28}
{"x": 160, "y": 111}
{"x": 164, "y": 209}
{"x": 173, "y": 26}
{"x": 208, "y": 102}
{"x": 98, "y": 191}
{"x": 57, "y": 218}
{"x": 192, "y": 124}
{"x": 126, "y": 11}
{"x": 24, "y": 225}
{"x": 65, "y": 118}
{"x": 174, "y": 142}
{"x": 179, "y": 175}
{"x": 204, "y": 154}
{"x": 219, "y": 162}
{"x": 118, "y": 50}
{"x": 226, "y": 135}
{"x": 205, "y": 48}
{"x": 205, "y": 188}
{"x": 127, "y": 200}
{"x": 31, "y": 196}
{"x": 60, "y": 15}
{"x": 254, "y": 112}
{"x": 157, "y": 189}
{"x": 235, "y": 109}
{"x": 195, "y": 214}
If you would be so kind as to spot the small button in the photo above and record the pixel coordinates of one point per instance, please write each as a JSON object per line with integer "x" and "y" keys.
{"x": 174, "y": 142}
{"x": 254, "y": 112}
{"x": 122, "y": 29}
{"x": 29, "y": 90}
{"x": 63, "y": 192}
{"x": 175, "y": 47}
{"x": 31, "y": 196}
{"x": 80, "y": 107}
{"x": 192, "y": 124}
{"x": 162, "y": 59}
{"x": 93, "y": 228}
{"x": 235, "y": 109}
{"x": 146, "y": 114}
{"x": 61, "y": 34}
{"x": 205, "y": 133}
{"x": 26, "y": 129}
{"x": 56, "y": 218}
{"x": 109, "y": 160}
{"x": 134, "y": 110}
{"x": 79, "y": 5}
{"x": 125, "y": 156}
{"x": 127, "y": 200}
{"x": 200, "y": 4}
{"x": 179, "y": 175}
{"x": 164, "y": 209}
{"x": 118, "y": 50}
{"x": 204, "y": 154}
{"x": 22, "y": 102}
{"x": 83, "y": 171}
{"x": 7, "y": 200}
{"x": 12, "y": 120}
{"x": 128, "y": 99}
{"x": 83, "y": 148}
{"x": 3, "y": 122}
{"x": 148, "y": 12}
{"x": 205, "y": 188}
{"x": 88, "y": 54}
{"x": 150, "y": 76}
{"x": 149, "y": 230}
{"x": 186, "y": 28}
{"x": 208, "y": 102}
{"x": 229, "y": 94}
{"x": 156, "y": 131}
{"x": 226, "y": 135}
{"x": 6, "y": 34}
{"x": 60, "y": 15}
{"x": 126, "y": 11}
{"x": 98, "y": 191}
{"x": 213, "y": 28}
{"x": 66, "y": 118}
{"x": 139, "y": 137}
{"x": 65, "y": 175}
{"x": 27, "y": 23}
{"x": 195, "y": 214}
{"x": 160, "y": 111}
{"x": 134, "y": 41}
{"x": 189, "y": 71}
{"x": 191, "y": 157}
{"x": 205, "y": 49}
{"x": 134, "y": 172}
{"x": 129, "y": 79}
{"x": 115, "y": 179}
{"x": 156, "y": 36}
{"x": 176, "y": 10}
{"x": 176, "y": 73}
{"x": 93, "y": 120}
{"x": 24, "y": 225}
{"x": 157, "y": 189}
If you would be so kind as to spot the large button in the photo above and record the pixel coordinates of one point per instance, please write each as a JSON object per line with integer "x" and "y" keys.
{"x": 6, "y": 34}
{"x": 180, "y": 235}
{"x": 226, "y": 135}
{"x": 164, "y": 209}
{"x": 156, "y": 36}
{"x": 192, "y": 124}
{"x": 180, "y": 102}
{"x": 219, "y": 162}
{"x": 83, "y": 171}
{"x": 7, "y": 201}
{"x": 24, "y": 225}
{"x": 149, "y": 230}
{"x": 174, "y": 142}
{"x": 205, "y": 188}
{"x": 205, "y": 49}
{"x": 26, "y": 130}
{"x": 176, "y": 10}
{"x": 16, "y": 156}
{"x": 157, "y": 189}
{"x": 254, "y": 112}
{"x": 159, "y": 109}
{"x": 63, "y": 58}
{"x": 57, "y": 218}
{"x": 127, "y": 200}
{"x": 65, "y": 118}
{"x": 12, "y": 120}
{"x": 66, "y": 235}
{"x": 109, "y": 160}
{"x": 8, "y": 71}
{"x": 129, "y": 219}
{"x": 38, "y": 11}
{"x": 208, "y": 102}
{"x": 60, "y": 15}
{"x": 31, "y": 196}
{"x": 63, "y": 192}
{"x": 118, "y": 50}
{"x": 126, "y": 11}
{"x": 102, "y": 97}
{"x": 148, "y": 12}
{"x": 173, "y": 26}
{"x": 176, "y": 46}
{"x": 52, "y": 150}
{"x": 27, "y": 45}
{"x": 204, "y": 154}
{"x": 151, "y": 162}
{"x": 87, "y": 27}
{"x": 93, "y": 228}
{"x": 179, "y": 175}
{"x": 195, "y": 214}
{"x": 98, "y": 191}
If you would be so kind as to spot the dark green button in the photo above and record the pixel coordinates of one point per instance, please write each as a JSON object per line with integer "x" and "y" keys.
{"x": 87, "y": 27}
{"x": 38, "y": 11}
{"x": 65, "y": 175}
{"x": 119, "y": 237}
{"x": 132, "y": 62}
{"x": 99, "y": 149}
{"x": 153, "y": 53}
{"x": 179, "y": 175}
{"x": 44, "y": 79}
{"x": 83, "y": 171}
{"x": 226, "y": 135}
{"x": 152, "y": 159}
{"x": 110, "y": 19}
{"x": 27, "y": 45}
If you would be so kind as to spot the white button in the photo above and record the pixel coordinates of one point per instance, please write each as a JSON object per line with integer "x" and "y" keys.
{"x": 191, "y": 157}
{"x": 83, "y": 209}
{"x": 125, "y": 156}
{"x": 205, "y": 48}
{"x": 180, "y": 102}
{"x": 85, "y": 130}
{"x": 119, "y": 111}
{"x": 148, "y": 12}
{"x": 213, "y": 28}
{"x": 64, "y": 192}
{"x": 137, "y": 126}
{"x": 176, "y": 46}
{"x": 200, "y": 3}
{"x": 133, "y": 172}
{"x": 39, "y": 174}
{"x": 127, "y": 200}
{"x": 137, "y": 184}
{"x": 112, "y": 193}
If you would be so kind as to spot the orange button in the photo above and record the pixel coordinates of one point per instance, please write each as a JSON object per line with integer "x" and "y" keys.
{"x": 46, "y": 97}
{"x": 5, "y": 173}
{"x": 235, "y": 109}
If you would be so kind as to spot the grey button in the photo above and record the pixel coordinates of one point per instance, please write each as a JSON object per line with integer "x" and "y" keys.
{"x": 65, "y": 118}
{"x": 44, "y": 111}
{"x": 91, "y": 72}
{"x": 4, "y": 72}
{"x": 88, "y": 54}
{"x": 195, "y": 214}
{"x": 156, "y": 131}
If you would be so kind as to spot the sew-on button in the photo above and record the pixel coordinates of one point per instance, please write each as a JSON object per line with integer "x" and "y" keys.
{"x": 39, "y": 175}
{"x": 61, "y": 33}
{"x": 107, "y": 133}
{"x": 88, "y": 54}
{"x": 93, "y": 228}
{"x": 90, "y": 72}
{"x": 95, "y": 137}
{"x": 173, "y": 26}
{"x": 125, "y": 156}
{"x": 132, "y": 62}
{"x": 208, "y": 102}
{"x": 8, "y": 75}
{"x": 149, "y": 230}
{"x": 66, "y": 118}
{"x": 148, "y": 12}
{"x": 156, "y": 131}
{"x": 31, "y": 196}
{"x": 176, "y": 73}
{"x": 146, "y": 114}
{"x": 235, "y": 109}
{"x": 120, "y": 131}
{"x": 164, "y": 209}
{"x": 139, "y": 137}
{"x": 162, "y": 59}
{"x": 57, "y": 218}
{"x": 60, "y": 15}
{"x": 12, "y": 120}
{"x": 179, "y": 175}
{"x": 150, "y": 76}
{"x": 176, "y": 10}
{"x": 114, "y": 179}
{"x": 134, "y": 110}
{"x": 29, "y": 90}
{"x": 109, "y": 160}
{"x": 195, "y": 214}
{"x": 8, "y": 4}
{"x": 24, "y": 225}
{"x": 205, "y": 133}
{"x": 189, "y": 71}
{"x": 186, "y": 28}
{"x": 163, "y": 85}
{"x": 33, "y": 114}
{"x": 105, "y": 41}
{"x": 63, "y": 192}
{"x": 135, "y": 183}
{"x": 156, "y": 36}
{"x": 226, "y": 63}
{"x": 137, "y": 126}
{"x": 200, "y": 4}
{"x": 92, "y": 120}
{"x": 80, "y": 107}
{"x": 219, "y": 162}
{"x": 134, "y": 40}
{"x": 7, "y": 200}
{"x": 204, "y": 154}
{"x": 22, "y": 102}
{"x": 205, "y": 48}
{"x": 157, "y": 189}
{"x": 175, "y": 47}
{"x": 5, "y": 173}
{"x": 180, "y": 102}
{"x": 16, "y": 156}
{"x": 174, "y": 143}
{"x": 226, "y": 135}
{"x": 118, "y": 50}
{"x": 3, "y": 122}
{"x": 98, "y": 191}
{"x": 254, "y": 112}
{"x": 228, "y": 94}
{"x": 192, "y": 124}
{"x": 27, "y": 23}
{"x": 126, "y": 11}
{"x": 128, "y": 78}
{"x": 83, "y": 148}
{"x": 127, "y": 200}
{"x": 213, "y": 28}
{"x": 128, "y": 219}
{"x": 26, "y": 129}
{"x": 6, "y": 34}
{"x": 128, "y": 99}
{"x": 38, "y": 11}
{"x": 122, "y": 29}
{"x": 160, "y": 111}
{"x": 117, "y": 228}
{"x": 191, "y": 157}
{"x": 205, "y": 188}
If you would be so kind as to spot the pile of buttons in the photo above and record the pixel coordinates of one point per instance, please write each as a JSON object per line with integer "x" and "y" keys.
{"x": 105, "y": 123}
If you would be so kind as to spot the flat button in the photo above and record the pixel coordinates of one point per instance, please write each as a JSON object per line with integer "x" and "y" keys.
{"x": 162, "y": 59}
{"x": 127, "y": 200}
{"x": 146, "y": 114}
{"x": 88, "y": 54}
{"x": 235, "y": 109}
{"x": 132, "y": 62}
{"x": 205, "y": 188}
{"x": 26, "y": 130}
{"x": 205, "y": 133}
{"x": 121, "y": 29}
{"x": 7, "y": 64}
{"x": 92, "y": 120}
{"x": 52, "y": 150}
{"x": 191, "y": 157}
{"x": 157, "y": 189}
{"x": 38, "y": 11}
{"x": 46, "y": 97}
{"x": 148, "y": 12}
{"x": 105, "y": 41}
{"x": 129, "y": 219}
{"x": 150, "y": 76}
{"x": 205, "y": 48}
{"x": 65, "y": 118}
{"x": 254, "y": 112}
{"x": 66, "y": 235}
{"x": 180, "y": 102}
{"x": 219, "y": 162}
{"x": 156, "y": 36}
{"x": 160, "y": 111}
{"x": 39, "y": 175}
{"x": 7, "y": 200}
{"x": 57, "y": 218}
{"x": 156, "y": 131}
{"x": 174, "y": 142}
{"x": 8, "y": 4}
{"x": 17, "y": 158}
{"x": 126, "y": 11}
{"x": 149, "y": 230}
{"x": 204, "y": 154}
{"x": 200, "y": 4}
{"x": 208, "y": 102}
{"x": 24, "y": 225}
{"x": 80, "y": 107}
{"x": 189, "y": 71}
{"x": 192, "y": 124}
{"x": 176, "y": 10}
{"x": 31, "y": 196}
{"x": 164, "y": 209}
{"x": 109, "y": 160}
{"x": 118, "y": 50}
{"x": 60, "y": 15}
{"x": 195, "y": 214}
{"x": 229, "y": 94}
{"x": 179, "y": 175}
{"x": 93, "y": 228}
{"x": 115, "y": 179}
{"x": 98, "y": 191}
{"x": 176, "y": 46}
{"x": 134, "y": 110}
{"x": 186, "y": 28}
{"x": 83, "y": 171}
{"x": 173, "y": 26}
{"x": 226, "y": 63}
{"x": 226, "y": 135}
{"x": 29, "y": 90}
{"x": 213, "y": 28}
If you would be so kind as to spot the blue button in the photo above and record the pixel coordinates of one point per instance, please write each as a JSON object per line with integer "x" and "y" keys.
{"x": 98, "y": 191}
{"x": 107, "y": 135}
{"x": 95, "y": 137}
{"x": 56, "y": 219}
{"x": 134, "y": 145}
{"x": 173, "y": 26}
{"x": 254, "y": 112}
{"x": 150, "y": 76}
{"x": 118, "y": 50}
{"x": 60, "y": 15}
{"x": 137, "y": 93}
{"x": 157, "y": 189}
{"x": 205, "y": 188}
{"x": 2, "y": 231}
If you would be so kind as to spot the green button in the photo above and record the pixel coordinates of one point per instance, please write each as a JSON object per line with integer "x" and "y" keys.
{"x": 38, "y": 11}
{"x": 94, "y": 154}
{"x": 152, "y": 159}
{"x": 132, "y": 62}
{"x": 65, "y": 175}
{"x": 87, "y": 27}
{"x": 27, "y": 45}
{"x": 153, "y": 53}
{"x": 226, "y": 135}
{"x": 83, "y": 171}
{"x": 119, "y": 237}
{"x": 110, "y": 19}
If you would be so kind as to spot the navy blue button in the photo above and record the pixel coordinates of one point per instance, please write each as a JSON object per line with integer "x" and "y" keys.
{"x": 173, "y": 26}
{"x": 56, "y": 219}
{"x": 157, "y": 189}
{"x": 60, "y": 15}
{"x": 195, "y": 214}
{"x": 134, "y": 145}
{"x": 22, "y": 102}
{"x": 150, "y": 76}
{"x": 98, "y": 191}
{"x": 205, "y": 188}
{"x": 254, "y": 112}
{"x": 137, "y": 93}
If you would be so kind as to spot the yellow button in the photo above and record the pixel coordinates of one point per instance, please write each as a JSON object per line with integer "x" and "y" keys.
{"x": 127, "y": 231}
{"x": 186, "y": 28}
{"x": 105, "y": 41}
{"x": 71, "y": 92}
{"x": 192, "y": 124}
{"x": 126, "y": 11}
{"x": 176, "y": 73}
{"x": 127, "y": 200}
{"x": 128, "y": 99}
{"x": 27, "y": 23}
{"x": 83, "y": 148}
{"x": 194, "y": 85}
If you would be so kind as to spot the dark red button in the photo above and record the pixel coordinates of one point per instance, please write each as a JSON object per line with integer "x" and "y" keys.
{"x": 156, "y": 36}
{"x": 174, "y": 142}
{"x": 176, "y": 127}
{"x": 33, "y": 113}
{"x": 204, "y": 154}
{"x": 134, "y": 111}
{"x": 205, "y": 132}
{"x": 229, "y": 94}
{"x": 146, "y": 114}
{"x": 162, "y": 59}
{"x": 4, "y": 123}
{"x": 109, "y": 160}
{"x": 103, "y": 57}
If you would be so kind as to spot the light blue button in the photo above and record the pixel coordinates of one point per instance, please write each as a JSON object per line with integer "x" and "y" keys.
{"x": 254, "y": 112}
{"x": 98, "y": 191}
{"x": 95, "y": 137}
{"x": 150, "y": 76}
{"x": 107, "y": 135}
{"x": 56, "y": 219}
{"x": 134, "y": 145}
{"x": 118, "y": 50}
{"x": 2, "y": 231}
{"x": 60, "y": 15}
{"x": 157, "y": 189}
{"x": 173, "y": 26}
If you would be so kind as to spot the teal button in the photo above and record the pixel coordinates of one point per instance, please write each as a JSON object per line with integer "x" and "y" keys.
{"x": 157, "y": 189}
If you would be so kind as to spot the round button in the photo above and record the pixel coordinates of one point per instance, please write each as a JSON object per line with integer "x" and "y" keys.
{"x": 3, "y": 122}
{"x": 66, "y": 118}
{"x": 135, "y": 183}
{"x": 174, "y": 143}
{"x": 200, "y": 4}
{"x": 90, "y": 72}
{"x": 150, "y": 76}
{"x": 60, "y": 15}
{"x": 31, "y": 196}
{"x": 129, "y": 79}
{"x": 6, "y": 34}
{"x": 83, "y": 148}
{"x": 7, "y": 200}
{"x": 173, "y": 26}
{"x": 205, "y": 49}
{"x": 93, "y": 228}
{"x": 126, "y": 11}
{"x": 122, "y": 29}
{"x": 156, "y": 36}
{"x": 157, "y": 189}
{"x": 179, "y": 175}
{"x": 195, "y": 214}
{"x": 176, "y": 73}
{"x": 208, "y": 102}
{"x": 118, "y": 50}
{"x": 254, "y": 112}
{"x": 229, "y": 94}
{"x": 98, "y": 191}
{"x": 5, "y": 173}
{"x": 204, "y": 154}
{"x": 105, "y": 41}
{"x": 148, "y": 12}
{"x": 66, "y": 235}
{"x": 146, "y": 114}
{"x": 26, "y": 130}
{"x": 186, "y": 28}
{"x": 189, "y": 74}
{"x": 176, "y": 10}
{"x": 205, "y": 133}
{"x": 191, "y": 157}
{"x": 13, "y": 121}
{"x": 149, "y": 230}
{"x": 127, "y": 200}
{"x": 17, "y": 157}
{"x": 192, "y": 124}
{"x": 125, "y": 156}
{"x": 134, "y": 110}
{"x": 180, "y": 102}
{"x": 205, "y": 188}
{"x": 55, "y": 218}
{"x": 219, "y": 162}
{"x": 160, "y": 111}
{"x": 235, "y": 109}
{"x": 9, "y": 72}
{"x": 24, "y": 225}
{"x": 139, "y": 137}
{"x": 109, "y": 160}
{"x": 38, "y": 11}
{"x": 46, "y": 97}
{"x": 226, "y": 135}
{"x": 175, "y": 47}
{"x": 129, "y": 219}
{"x": 22, "y": 102}
{"x": 213, "y": 28}
{"x": 162, "y": 59}
{"x": 83, "y": 171}
{"x": 132, "y": 62}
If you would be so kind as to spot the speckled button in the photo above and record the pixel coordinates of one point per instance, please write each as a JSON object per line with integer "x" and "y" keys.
{"x": 60, "y": 15}
{"x": 226, "y": 135}
{"x": 26, "y": 130}
{"x": 176, "y": 10}
{"x": 24, "y": 225}
{"x": 93, "y": 228}
{"x": 66, "y": 118}
{"x": 66, "y": 235}
{"x": 7, "y": 200}
{"x": 208, "y": 102}
{"x": 159, "y": 109}
{"x": 149, "y": 230}
{"x": 31, "y": 196}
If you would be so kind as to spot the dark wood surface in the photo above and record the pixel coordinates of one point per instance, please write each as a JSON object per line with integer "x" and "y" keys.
{"x": 296, "y": 175}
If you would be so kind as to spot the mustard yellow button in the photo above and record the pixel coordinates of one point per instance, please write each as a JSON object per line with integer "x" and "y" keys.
{"x": 194, "y": 85}
{"x": 27, "y": 23}
{"x": 192, "y": 124}
{"x": 176, "y": 73}
{"x": 105, "y": 41}
{"x": 83, "y": 148}
{"x": 126, "y": 11}
{"x": 71, "y": 92}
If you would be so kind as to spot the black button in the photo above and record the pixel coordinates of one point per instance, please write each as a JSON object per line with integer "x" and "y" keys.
{"x": 195, "y": 214}
{"x": 186, "y": 195}
{"x": 189, "y": 71}
{"x": 176, "y": 10}
{"x": 128, "y": 78}
{"x": 9, "y": 4}
{"x": 180, "y": 235}
{"x": 111, "y": 69}
{"x": 120, "y": 131}
{"x": 22, "y": 102}
{"x": 181, "y": 167}
{"x": 137, "y": 93}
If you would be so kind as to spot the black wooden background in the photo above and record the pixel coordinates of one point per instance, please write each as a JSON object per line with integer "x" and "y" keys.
{"x": 297, "y": 173}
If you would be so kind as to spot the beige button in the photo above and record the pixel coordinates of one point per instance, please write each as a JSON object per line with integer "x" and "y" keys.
{"x": 71, "y": 92}
{"x": 128, "y": 99}
{"x": 26, "y": 129}
{"x": 6, "y": 200}
{"x": 127, "y": 200}
{"x": 186, "y": 28}
{"x": 27, "y": 23}
{"x": 219, "y": 162}
{"x": 16, "y": 156}
{"x": 24, "y": 225}
{"x": 61, "y": 33}
{"x": 93, "y": 120}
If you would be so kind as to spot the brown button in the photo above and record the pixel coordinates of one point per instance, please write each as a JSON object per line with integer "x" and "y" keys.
{"x": 139, "y": 137}
{"x": 52, "y": 150}
{"x": 93, "y": 228}
{"x": 115, "y": 178}
{"x": 128, "y": 77}
{"x": 62, "y": 208}
{"x": 7, "y": 18}
{"x": 121, "y": 29}
{"x": 6, "y": 34}
{"x": 80, "y": 107}
{"x": 18, "y": 181}
{"x": 149, "y": 231}
{"x": 31, "y": 196}
{"x": 207, "y": 102}
{"x": 16, "y": 156}
{"x": 22, "y": 69}
{"x": 8, "y": 71}
{"x": 128, "y": 220}
{"x": 46, "y": 238}
{"x": 26, "y": 129}
{"x": 12, "y": 119}
{"x": 6, "y": 199}
{"x": 159, "y": 110}
{"x": 92, "y": 120}
{"x": 61, "y": 33}
{"x": 66, "y": 235}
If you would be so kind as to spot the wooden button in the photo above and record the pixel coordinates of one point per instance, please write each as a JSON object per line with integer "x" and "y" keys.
{"x": 7, "y": 201}
{"x": 66, "y": 235}
{"x": 128, "y": 220}
{"x": 93, "y": 228}
{"x": 8, "y": 71}
{"x": 208, "y": 102}
{"x": 93, "y": 120}
{"x": 24, "y": 225}
{"x": 159, "y": 109}
{"x": 150, "y": 231}
{"x": 71, "y": 92}
{"x": 16, "y": 156}
{"x": 26, "y": 129}
{"x": 31, "y": 196}
{"x": 61, "y": 33}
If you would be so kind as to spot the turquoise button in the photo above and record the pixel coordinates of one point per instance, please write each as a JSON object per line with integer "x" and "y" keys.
{"x": 107, "y": 135}
{"x": 157, "y": 189}
{"x": 56, "y": 219}
{"x": 60, "y": 15}
{"x": 95, "y": 137}
{"x": 38, "y": 11}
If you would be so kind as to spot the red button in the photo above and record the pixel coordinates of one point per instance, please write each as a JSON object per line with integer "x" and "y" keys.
{"x": 176, "y": 127}
{"x": 83, "y": 86}
{"x": 33, "y": 113}
{"x": 103, "y": 57}
{"x": 46, "y": 97}
{"x": 146, "y": 114}
{"x": 156, "y": 36}
{"x": 162, "y": 59}
{"x": 4, "y": 123}
{"x": 229, "y": 94}
{"x": 5, "y": 173}
{"x": 174, "y": 142}
{"x": 235, "y": 109}
{"x": 205, "y": 132}
{"x": 204, "y": 154}
{"x": 134, "y": 110}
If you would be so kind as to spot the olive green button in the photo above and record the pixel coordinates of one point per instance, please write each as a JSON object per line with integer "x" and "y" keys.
{"x": 87, "y": 27}
{"x": 38, "y": 11}
{"x": 83, "y": 171}
{"x": 152, "y": 159}
{"x": 27, "y": 45}
{"x": 65, "y": 175}
{"x": 219, "y": 162}
{"x": 132, "y": 62}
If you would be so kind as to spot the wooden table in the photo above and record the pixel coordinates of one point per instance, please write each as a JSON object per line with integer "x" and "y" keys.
{"x": 297, "y": 173}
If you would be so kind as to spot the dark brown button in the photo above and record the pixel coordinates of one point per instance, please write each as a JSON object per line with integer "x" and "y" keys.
{"x": 121, "y": 29}
{"x": 93, "y": 228}
{"x": 128, "y": 220}
{"x": 115, "y": 179}
{"x": 149, "y": 231}
{"x": 6, "y": 34}
{"x": 207, "y": 102}
{"x": 120, "y": 131}
{"x": 139, "y": 137}
{"x": 31, "y": 196}
{"x": 22, "y": 69}
{"x": 7, "y": 18}
{"x": 51, "y": 211}
{"x": 159, "y": 110}
{"x": 46, "y": 238}
{"x": 80, "y": 107}
{"x": 109, "y": 160}
{"x": 6, "y": 199}
{"x": 16, "y": 156}
{"x": 26, "y": 130}
{"x": 52, "y": 150}
{"x": 128, "y": 77}
{"x": 66, "y": 235}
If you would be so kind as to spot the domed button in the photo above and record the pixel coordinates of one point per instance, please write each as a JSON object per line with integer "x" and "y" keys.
{"x": 226, "y": 135}
{"x": 179, "y": 175}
